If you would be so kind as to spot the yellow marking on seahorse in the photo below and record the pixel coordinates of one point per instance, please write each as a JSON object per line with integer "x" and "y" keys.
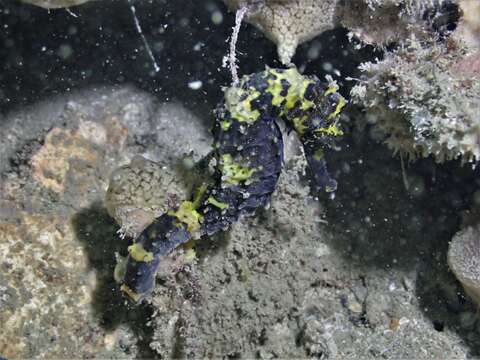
{"x": 187, "y": 214}
{"x": 239, "y": 102}
{"x": 296, "y": 93}
{"x": 338, "y": 108}
{"x": 318, "y": 155}
{"x": 138, "y": 253}
{"x": 275, "y": 88}
{"x": 197, "y": 198}
{"x": 331, "y": 130}
{"x": 218, "y": 204}
{"x": 297, "y": 85}
{"x": 331, "y": 89}
{"x": 234, "y": 173}
{"x": 305, "y": 104}
{"x": 299, "y": 124}
{"x": 225, "y": 125}
{"x": 190, "y": 253}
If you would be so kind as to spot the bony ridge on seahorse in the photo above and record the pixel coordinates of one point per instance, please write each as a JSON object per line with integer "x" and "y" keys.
{"x": 248, "y": 149}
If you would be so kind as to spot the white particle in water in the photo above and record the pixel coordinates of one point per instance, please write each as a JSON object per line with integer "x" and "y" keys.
{"x": 195, "y": 85}
{"x": 217, "y": 17}
{"x": 327, "y": 66}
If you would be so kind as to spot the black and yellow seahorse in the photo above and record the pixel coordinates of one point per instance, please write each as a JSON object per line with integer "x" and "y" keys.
{"x": 248, "y": 150}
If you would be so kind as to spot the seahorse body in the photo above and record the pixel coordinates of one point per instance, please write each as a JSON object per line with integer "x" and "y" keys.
{"x": 248, "y": 149}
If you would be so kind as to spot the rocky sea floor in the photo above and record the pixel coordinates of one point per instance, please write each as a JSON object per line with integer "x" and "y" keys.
{"x": 361, "y": 275}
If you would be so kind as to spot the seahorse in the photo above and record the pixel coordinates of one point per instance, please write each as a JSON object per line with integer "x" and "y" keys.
{"x": 248, "y": 151}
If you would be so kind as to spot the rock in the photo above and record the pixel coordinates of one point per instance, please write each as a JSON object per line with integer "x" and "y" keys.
{"x": 57, "y": 292}
{"x": 52, "y": 162}
{"x": 464, "y": 260}
{"x": 44, "y": 272}
{"x": 469, "y": 25}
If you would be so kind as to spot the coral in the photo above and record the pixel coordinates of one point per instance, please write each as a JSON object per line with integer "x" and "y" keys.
{"x": 288, "y": 23}
{"x": 421, "y": 103}
{"x": 464, "y": 260}
{"x": 53, "y": 241}
{"x": 133, "y": 199}
{"x": 53, "y": 4}
{"x": 421, "y": 97}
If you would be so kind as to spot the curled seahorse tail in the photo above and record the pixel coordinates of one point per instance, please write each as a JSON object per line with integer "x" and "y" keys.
{"x": 157, "y": 240}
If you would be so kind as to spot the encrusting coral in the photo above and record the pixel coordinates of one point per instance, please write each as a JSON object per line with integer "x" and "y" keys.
{"x": 133, "y": 199}
{"x": 289, "y": 23}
